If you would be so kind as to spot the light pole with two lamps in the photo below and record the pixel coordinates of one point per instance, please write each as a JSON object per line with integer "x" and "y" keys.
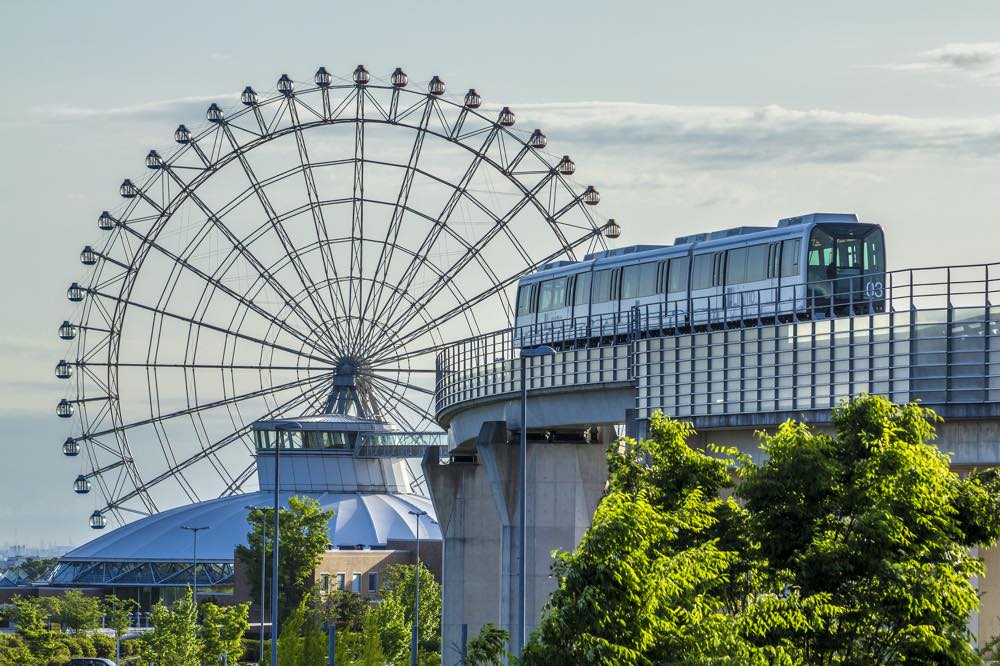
{"x": 526, "y": 353}
{"x": 194, "y": 534}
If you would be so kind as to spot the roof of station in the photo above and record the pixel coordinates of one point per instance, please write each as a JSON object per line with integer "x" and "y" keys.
{"x": 365, "y": 519}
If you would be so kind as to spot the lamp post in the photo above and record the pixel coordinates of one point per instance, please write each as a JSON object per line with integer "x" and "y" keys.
{"x": 415, "y": 637}
{"x": 194, "y": 534}
{"x": 280, "y": 428}
{"x": 526, "y": 353}
{"x": 263, "y": 574}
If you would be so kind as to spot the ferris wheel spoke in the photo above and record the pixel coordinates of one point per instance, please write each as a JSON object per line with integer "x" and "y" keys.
{"x": 249, "y": 472}
{"x": 212, "y": 405}
{"x": 203, "y": 324}
{"x": 500, "y": 224}
{"x": 357, "y": 212}
{"x": 396, "y": 382}
{"x": 394, "y": 410}
{"x": 171, "y": 472}
{"x": 216, "y": 284}
{"x": 480, "y": 297}
{"x": 402, "y": 203}
{"x": 409, "y": 404}
{"x": 245, "y": 253}
{"x": 319, "y": 222}
{"x": 286, "y": 243}
{"x": 411, "y": 271}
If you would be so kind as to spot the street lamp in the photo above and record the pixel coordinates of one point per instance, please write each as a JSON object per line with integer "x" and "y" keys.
{"x": 416, "y": 610}
{"x": 263, "y": 573}
{"x": 280, "y": 428}
{"x": 526, "y": 353}
{"x": 194, "y": 534}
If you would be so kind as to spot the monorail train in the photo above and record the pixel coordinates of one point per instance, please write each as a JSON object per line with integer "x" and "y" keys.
{"x": 817, "y": 265}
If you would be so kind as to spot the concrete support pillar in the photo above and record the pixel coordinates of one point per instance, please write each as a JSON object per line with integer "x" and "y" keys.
{"x": 476, "y": 505}
{"x": 470, "y": 527}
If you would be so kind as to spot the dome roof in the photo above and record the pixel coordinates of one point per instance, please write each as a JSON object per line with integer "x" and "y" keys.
{"x": 369, "y": 519}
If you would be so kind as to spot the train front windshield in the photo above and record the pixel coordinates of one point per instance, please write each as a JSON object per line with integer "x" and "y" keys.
{"x": 844, "y": 251}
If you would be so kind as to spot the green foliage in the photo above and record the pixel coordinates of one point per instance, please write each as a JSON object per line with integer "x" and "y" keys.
{"x": 76, "y": 611}
{"x": 222, "y": 630}
{"x": 302, "y": 641}
{"x": 850, "y": 549}
{"x": 118, "y": 614}
{"x": 31, "y": 616}
{"x": 488, "y": 648}
{"x": 174, "y": 640}
{"x": 14, "y": 651}
{"x": 38, "y": 568}
{"x": 304, "y": 531}
{"x": 343, "y": 608}
{"x": 874, "y": 519}
{"x": 393, "y": 615}
{"x": 104, "y": 646}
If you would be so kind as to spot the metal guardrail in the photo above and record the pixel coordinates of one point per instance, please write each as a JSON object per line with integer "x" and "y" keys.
{"x": 932, "y": 339}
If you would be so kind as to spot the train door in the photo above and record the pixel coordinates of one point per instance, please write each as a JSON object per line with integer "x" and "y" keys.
{"x": 676, "y": 302}
{"x": 524, "y": 324}
{"x": 707, "y": 297}
{"x": 791, "y": 289}
{"x": 604, "y": 291}
{"x": 640, "y": 294}
{"x": 553, "y": 309}
{"x": 580, "y": 305}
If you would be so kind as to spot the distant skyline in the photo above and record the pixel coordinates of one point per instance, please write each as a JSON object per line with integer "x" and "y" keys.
{"x": 686, "y": 116}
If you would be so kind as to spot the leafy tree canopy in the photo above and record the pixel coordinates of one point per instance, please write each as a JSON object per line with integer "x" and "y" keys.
{"x": 843, "y": 549}
{"x": 304, "y": 535}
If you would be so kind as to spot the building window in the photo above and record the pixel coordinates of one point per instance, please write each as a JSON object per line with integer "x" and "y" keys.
{"x": 356, "y": 582}
{"x": 341, "y": 579}
{"x": 324, "y": 583}
{"x": 372, "y": 582}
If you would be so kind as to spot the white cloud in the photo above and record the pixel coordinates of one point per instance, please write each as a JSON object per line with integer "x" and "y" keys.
{"x": 179, "y": 107}
{"x": 735, "y": 136}
{"x": 979, "y": 61}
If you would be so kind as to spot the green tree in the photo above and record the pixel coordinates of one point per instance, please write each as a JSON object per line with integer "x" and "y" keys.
{"x": 488, "y": 648}
{"x": 873, "y": 518}
{"x": 38, "y": 568}
{"x": 394, "y": 613}
{"x": 222, "y": 630}
{"x": 31, "y": 618}
{"x": 845, "y": 549}
{"x": 78, "y": 612}
{"x": 118, "y": 615}
{"x": 304, "y": 535}
{"x": 174, "y": 640}
{"x": 343, "y": 608}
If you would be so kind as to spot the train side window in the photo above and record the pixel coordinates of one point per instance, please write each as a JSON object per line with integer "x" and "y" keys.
{"x": 630, "y": 281}
{"x": 736, "y": 266}
{"x": 677, "y": 278}
{"x": 703, "y": 271}
{"x": 790, "y": 250}
{"x": 757, "y": 262}
{"x": 601, "y": 287}
{"x": 525, "y": 300}
{"x": 581, "y": 294}
{"x": 639, "y": 280}
{"x": 552, "y": 295}
{"x": 647, "y": 278}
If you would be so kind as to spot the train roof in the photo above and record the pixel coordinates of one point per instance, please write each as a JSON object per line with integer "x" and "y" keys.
{"x": 786, "y": 227}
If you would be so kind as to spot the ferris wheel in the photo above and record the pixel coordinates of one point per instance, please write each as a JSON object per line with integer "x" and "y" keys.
{"x": 337, "y": 232}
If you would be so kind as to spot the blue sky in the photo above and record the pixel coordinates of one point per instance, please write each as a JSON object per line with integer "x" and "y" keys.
{"x": 687, "y": 117}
